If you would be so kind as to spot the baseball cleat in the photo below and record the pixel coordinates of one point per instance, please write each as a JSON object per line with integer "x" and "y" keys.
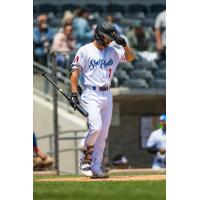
{"x": 99, "y": 174}
{"x": 85, "y": 169}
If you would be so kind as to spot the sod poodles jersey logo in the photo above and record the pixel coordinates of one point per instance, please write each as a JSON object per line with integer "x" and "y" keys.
{"x": 99, "y": 63}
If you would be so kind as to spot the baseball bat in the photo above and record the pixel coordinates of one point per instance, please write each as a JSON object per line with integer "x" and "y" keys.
{"x": 67, "y": 96}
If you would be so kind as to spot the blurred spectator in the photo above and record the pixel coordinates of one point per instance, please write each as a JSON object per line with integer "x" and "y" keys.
{"x": 63, "y": 42}
{"x": 68, "y": 17}
{"x": 40, "y": 160}
{"x": 156, "y": 145}
{"x": 110, "y": 19}
{"x": 83, "y": 32}
{"x": 42, "y": 39}
{"x": 120, "y": 162}
{"x": 160, "y": 34}
{"x": 138, "y": 38}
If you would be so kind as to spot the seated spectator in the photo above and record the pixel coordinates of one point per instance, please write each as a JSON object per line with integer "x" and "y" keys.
{"x": 160, "y": 34}
{"x": 138, "y": 38}
{"x": 120, "y": 162}
{"x": 83, "y": 32}
{"x": 40, "y": 160}
{"x": 63, "y": 42}
{"x": 42, "y": 39}
{"x": 68, "y": 17}
{"x": 156, "y": 145}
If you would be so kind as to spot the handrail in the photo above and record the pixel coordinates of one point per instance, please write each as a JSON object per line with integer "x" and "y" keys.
{"x": 75, "y": 138}
{"x": 61, "y": 133}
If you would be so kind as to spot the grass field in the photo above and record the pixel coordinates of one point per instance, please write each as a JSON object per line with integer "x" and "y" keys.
{"x": 129, "y": 190}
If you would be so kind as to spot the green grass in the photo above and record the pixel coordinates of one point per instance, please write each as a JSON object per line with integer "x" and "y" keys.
{"x": 141, "y": 190}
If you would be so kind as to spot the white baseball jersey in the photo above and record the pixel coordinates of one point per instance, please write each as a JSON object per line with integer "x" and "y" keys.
{"x": 158, "y": 139}
{"x": 97, "y": 66}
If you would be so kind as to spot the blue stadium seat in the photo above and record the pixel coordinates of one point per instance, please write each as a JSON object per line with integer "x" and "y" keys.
{"x": 142, "y": 73}
{"x": 135, "y": 83}
{"x": 112, "y": 8}
{"x": 144, "y": 64}
{"x": 121, "y": 75}
{"x": 95, "y": 8}
{"x": 162, "y": 64}
{"x": 69, "y": 6}
{"x": 160, "y": 73}
{"x": 46, "y": 8}
{"x": 134, "y": 9}
{"x": 125, "y": 66}
{"x": 155, "y": 9}
{"x": 159, "y": 83}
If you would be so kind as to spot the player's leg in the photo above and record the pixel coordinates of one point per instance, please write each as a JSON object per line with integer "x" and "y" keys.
{"x": 95, "y": 126}
{"x": 99, "y": 147}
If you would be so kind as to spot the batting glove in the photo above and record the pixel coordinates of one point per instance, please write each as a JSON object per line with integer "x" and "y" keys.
{"x": 121, "y": 41}
{"x": 74, "y": 100}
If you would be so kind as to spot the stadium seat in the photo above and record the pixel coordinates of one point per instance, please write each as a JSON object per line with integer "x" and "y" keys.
{"x": 35, "y": 9}
{"x": 121, "y": 75}
{"x": 160, "y": 73}
{"x": 162, "y": 64}
{"x": 69, "y": 6}
{"x": 155, "y": 9}
{"x": 114, "y": 82}
{"x": 135, "y": 83}
{"x": 135, "y": 9}
{"x": 142, "y": 73}
{"x": 159, "y": 83}
{"x": 125, "y": 66}
{"x": 95, "y": 7}
{"x": 144, "y": 64}
{"x": 112, "y": 8}
{"x": 46, "y": 8}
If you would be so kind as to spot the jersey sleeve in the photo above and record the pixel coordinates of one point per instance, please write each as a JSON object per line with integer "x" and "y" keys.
{"x": 151, "y": 141}
{"x": 121, "y": 54}
{"x": 78, "y": 61}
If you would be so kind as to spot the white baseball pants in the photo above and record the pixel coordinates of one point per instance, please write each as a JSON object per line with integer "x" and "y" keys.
{"x": 99, "y": 105}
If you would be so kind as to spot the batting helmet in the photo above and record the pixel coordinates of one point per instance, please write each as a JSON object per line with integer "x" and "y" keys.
{"x": 105, "y": 29}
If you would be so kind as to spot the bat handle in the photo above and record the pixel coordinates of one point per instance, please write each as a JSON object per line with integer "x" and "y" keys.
{"x": 82, "y": 111}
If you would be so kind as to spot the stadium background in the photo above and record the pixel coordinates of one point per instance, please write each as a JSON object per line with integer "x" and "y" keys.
{"x": 139, "y": 96}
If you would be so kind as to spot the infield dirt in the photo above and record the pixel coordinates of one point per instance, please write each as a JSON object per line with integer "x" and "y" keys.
{"x": 114, "y": 178}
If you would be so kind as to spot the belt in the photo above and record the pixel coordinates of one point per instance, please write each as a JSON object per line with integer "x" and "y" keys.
{"x": 105, "y": 88}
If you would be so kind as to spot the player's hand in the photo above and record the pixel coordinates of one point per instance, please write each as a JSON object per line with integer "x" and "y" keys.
{"x": 121, "y": 41}
{"x": 74, "y": 100}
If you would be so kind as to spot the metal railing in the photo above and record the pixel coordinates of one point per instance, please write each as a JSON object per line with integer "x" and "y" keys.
{"x": 76, "y": 149}
{"x": 52, "y": 69}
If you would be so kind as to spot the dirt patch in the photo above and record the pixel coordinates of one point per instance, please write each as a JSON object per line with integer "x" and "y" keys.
{"x": 114, "y": 178}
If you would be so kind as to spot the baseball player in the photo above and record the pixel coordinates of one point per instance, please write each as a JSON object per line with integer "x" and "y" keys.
{"x": 97, "y": 62}
{"x": 156, "y": 145}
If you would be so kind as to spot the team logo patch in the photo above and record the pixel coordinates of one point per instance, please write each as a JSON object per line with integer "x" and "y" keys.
{"x": 76, "y": 59}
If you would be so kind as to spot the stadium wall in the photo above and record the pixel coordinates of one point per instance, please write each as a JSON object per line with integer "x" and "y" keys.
{"x": 124, "y": 136}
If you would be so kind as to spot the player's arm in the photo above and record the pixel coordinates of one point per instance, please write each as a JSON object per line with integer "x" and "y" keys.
{"x": 129, "y": 54}
{"x": 74, "y": 80}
